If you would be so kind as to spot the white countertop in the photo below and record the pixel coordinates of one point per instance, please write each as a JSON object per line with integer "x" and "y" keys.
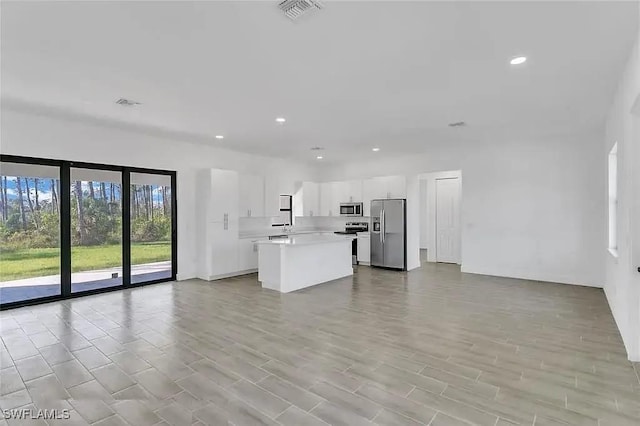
{"x": 278, "y": 231}
{"x": 300, "y": 240}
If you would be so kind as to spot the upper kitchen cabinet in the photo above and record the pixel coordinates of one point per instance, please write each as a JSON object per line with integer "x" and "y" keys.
{"x": 396, "y": 186}
{"x": 219, "y": 194}
{"x": 330, "y": 198}
{"x": 252, "y": 196}
{"x": 381, "y": 188}
{"x": 349, "y": 191}
{"x": 354, "y": 191}
{"x": 311, "y": 198}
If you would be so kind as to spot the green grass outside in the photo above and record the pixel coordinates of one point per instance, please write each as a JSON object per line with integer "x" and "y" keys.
{"x": 38, "y": 262}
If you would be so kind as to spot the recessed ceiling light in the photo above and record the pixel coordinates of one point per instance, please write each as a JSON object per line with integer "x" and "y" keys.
{"x": 519, "y": 60}
{"x": 219, "y": 137}
{"x": 375, "y": 149}
{"x": 280, "y": 120}
{"x": 319, "y": 157}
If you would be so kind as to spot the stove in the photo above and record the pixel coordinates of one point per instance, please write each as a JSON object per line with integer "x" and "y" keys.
{"x": 352, "y": 228}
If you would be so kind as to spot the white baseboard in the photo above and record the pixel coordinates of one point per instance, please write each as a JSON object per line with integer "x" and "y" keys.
{"x": 229, "y": 275}
{"x": 526, "y": 276}
{"x": 183, "y": 277}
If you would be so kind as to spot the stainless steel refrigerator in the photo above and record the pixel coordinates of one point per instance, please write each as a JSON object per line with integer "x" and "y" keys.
{"x": 389, "y": 233}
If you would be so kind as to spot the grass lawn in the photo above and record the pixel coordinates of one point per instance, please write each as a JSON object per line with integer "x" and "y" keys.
{"x": 28, "y": 263}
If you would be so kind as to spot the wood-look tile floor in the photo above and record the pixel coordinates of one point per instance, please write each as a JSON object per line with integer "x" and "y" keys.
{"x": 433, "y": 346}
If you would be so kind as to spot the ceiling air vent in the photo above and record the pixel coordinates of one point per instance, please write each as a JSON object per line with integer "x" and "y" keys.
{"x": 127, "y": 102}
{"x": 294, "y": 9}
{"x": 458, "y": 124}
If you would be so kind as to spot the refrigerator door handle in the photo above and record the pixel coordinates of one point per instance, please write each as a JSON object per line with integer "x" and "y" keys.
{"x": 382, "y": 226}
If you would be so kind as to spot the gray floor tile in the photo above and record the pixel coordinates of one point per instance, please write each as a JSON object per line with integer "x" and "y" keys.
{"x": 32, "y": 367}
{"x": 91, "y": 357}
{"x": 91, "y": 410}
{"x": 257, "y": 397}
{"x": 294, "y": 416}
{"x": 289, "y": 392}
{"x": 175, "y": 414}
{"x": 136, "y": 413}
{"x": 56, "y": 354}
{"x": 112, "y": 378}
{"x": 349, "y": 401}
{"x": 72, "y": 373}
{"x": 393, "y": 348}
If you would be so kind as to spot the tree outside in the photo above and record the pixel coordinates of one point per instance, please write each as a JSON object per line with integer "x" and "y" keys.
{"x": 30, "y": 226}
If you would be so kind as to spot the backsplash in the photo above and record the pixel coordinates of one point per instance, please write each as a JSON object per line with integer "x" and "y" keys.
{"x": 255, "y": 224}
{"x": 332, "y": 223}
{"x": 249, "y": 225}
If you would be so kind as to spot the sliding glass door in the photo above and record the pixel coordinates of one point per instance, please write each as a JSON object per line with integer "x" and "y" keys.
{"x": 96, "y": 229}
{"x": 77, "y": 228}
{"x": 150, "y": 212}
{"x": 29, "y": 232}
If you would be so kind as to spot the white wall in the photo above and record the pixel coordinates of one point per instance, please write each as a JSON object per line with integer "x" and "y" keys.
{"x": 428, "y": 209}
{"x": 55, "y": 136}
{"x": 622, "y": 283}
{"x": 413, "y": 222}
{"x": 530, "y": 208}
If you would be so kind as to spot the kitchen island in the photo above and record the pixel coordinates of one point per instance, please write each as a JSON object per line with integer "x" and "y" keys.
{"x": 301, "y": 261}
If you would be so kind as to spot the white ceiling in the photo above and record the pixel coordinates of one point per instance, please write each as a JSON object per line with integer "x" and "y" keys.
{"x": 350, "y": 77}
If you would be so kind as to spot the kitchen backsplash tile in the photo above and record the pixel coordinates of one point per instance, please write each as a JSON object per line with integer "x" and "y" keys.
{"x": 254, "y": 225}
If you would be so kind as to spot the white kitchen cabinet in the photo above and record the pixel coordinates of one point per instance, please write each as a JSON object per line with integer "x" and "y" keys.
{"x": 348, "y": 191}
{"x": 372, "y": 189}
{"x": 396, "y": 186}
{"x": 217, "y": 223}
{"x": 220, "y": 191}
{"x": 329, "y": 199}
{"x": 311, "y": 198}
{"x": 223, "y": 253}
{"x": 252, "y": 196}
{"x": 382, "y": 187}
{"x": 352, "y": 191}
{"x": 364, "y": 247}
{"x": 340, "y": 191}
{"x": 247, "y": 255}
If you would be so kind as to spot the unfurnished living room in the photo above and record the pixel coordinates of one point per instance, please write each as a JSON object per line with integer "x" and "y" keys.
{"x": 320, "y": 212}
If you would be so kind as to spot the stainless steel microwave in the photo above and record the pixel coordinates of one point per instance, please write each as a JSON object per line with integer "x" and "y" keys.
{"x": 350, "y": 209}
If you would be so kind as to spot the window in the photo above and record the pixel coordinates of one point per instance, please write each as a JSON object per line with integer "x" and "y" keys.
{"x": 285, "y": 211}
{"x": 68, "y": 229}
{"x": 613, "y": 200}
{"x": 29, "y": 231}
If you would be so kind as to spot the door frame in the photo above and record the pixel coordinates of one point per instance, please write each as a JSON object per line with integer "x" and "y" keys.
{"x": 65, "y": 225}
{"x": 428, "y": 212}
{"x": 459, "y": 233}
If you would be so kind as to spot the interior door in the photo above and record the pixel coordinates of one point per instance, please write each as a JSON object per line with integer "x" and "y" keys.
{"x": 448, "y": 220}
{"x": 377, "y": 250}
{"x": 394, "y": 234}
